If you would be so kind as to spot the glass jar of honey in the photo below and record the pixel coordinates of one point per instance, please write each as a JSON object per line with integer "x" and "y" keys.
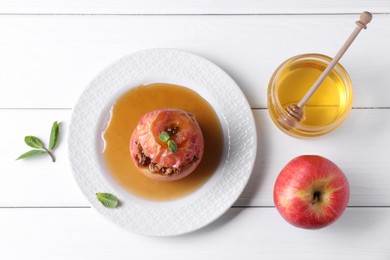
{"x": 329, "y": 106}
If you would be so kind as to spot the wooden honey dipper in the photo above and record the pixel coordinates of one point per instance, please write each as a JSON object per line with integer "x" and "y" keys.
{"x": 294, "y": 113}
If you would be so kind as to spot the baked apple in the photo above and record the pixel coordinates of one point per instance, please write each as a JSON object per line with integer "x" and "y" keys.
{"x": 167, "y": 144}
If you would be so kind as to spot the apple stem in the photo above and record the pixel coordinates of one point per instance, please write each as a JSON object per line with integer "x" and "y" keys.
{"x": 316, "y": 197}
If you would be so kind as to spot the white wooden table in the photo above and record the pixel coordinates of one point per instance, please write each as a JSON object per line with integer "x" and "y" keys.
{"x": 50, "y": 51}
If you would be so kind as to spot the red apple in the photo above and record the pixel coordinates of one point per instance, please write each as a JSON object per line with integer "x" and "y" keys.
{"x": 311, "y": 192}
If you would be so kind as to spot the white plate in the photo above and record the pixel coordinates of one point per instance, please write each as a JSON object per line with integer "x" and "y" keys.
{"x": 191, "y": 212}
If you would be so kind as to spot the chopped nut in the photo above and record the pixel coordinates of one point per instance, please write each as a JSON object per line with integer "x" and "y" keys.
{"x": 139, "y": 147}
{"x": 155, "y": 167}
{"x": 151, "y": 167}
{"x": 141, "y": 156}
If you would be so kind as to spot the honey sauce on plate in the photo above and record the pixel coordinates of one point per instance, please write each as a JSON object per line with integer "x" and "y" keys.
{"x": 126, "y": 113}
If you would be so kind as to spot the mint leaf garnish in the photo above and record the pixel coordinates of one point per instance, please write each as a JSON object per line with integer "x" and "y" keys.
{"x": 164, "y": 136}
{"x": 172, "y": 146}
{"x": 53, "y": 135}
{"x": 107, "y": 199}
{"x": 31, "y": 153}
{"x": 33, "y": 142}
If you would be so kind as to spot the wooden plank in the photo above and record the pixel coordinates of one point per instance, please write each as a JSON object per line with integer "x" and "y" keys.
{"x": 192, "y": 6}
{"x": 360, "y": 147}
{"x": 46, "y": 61}
{"x": 361, "y": 233}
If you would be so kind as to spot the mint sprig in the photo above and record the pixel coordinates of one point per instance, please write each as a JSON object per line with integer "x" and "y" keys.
{"x": 35, "y": 142}
{"x": 164, "y": 137}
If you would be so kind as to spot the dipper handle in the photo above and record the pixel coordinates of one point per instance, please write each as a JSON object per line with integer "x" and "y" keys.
{"x": 365, "y": 18}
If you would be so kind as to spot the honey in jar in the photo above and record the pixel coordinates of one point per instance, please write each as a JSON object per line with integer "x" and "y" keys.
{"x": 326, "y": 109}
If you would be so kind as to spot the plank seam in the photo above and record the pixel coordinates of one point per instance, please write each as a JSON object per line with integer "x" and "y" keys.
{"x": 357, "y": 108}
{"x": 69, "y": 108}
{"x": 45, "y": 207}
{"x": 186, "y": 14}
{"x": 89, "y": 207}
{"x": 35, "y": 108}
